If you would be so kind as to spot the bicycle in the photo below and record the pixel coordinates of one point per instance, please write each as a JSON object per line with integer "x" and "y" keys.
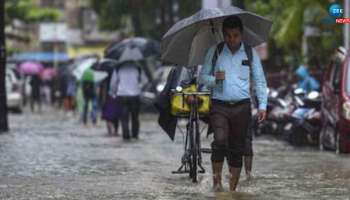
{"x": 197, "y": 103}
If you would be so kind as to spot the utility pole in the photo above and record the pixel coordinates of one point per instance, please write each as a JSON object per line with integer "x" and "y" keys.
{"x": 3, "y": 103}
{"x": 347, "y": 26}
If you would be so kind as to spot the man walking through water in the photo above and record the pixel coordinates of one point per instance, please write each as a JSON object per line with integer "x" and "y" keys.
{"x": 229, "y": 78}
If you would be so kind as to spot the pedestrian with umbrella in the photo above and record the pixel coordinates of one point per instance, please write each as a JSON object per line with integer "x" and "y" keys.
{"x": 128, "y": 78}
{"x": 47, "y": 76}
{"x": 111, "y": 110}
{"x": 31, "y": 69}
{"x": 89, "y": 80}
{"x": 222, "y": 40}
{"x": 89, "y": 95}
{"x": 35, "y": 98}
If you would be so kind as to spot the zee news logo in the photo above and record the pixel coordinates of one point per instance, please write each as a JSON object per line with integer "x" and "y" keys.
{"x": 336, "y": 11}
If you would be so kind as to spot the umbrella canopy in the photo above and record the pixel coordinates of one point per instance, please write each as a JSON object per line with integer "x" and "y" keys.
{"x": 86, "y": 64}
{"x": 48, "y": 73}
{"x": 133, "y": 49}
{"x": 93, "y": 76}
{"x": 99, "y": 76}
{"x": 67, "y": 70}
{"x": 31, "y": 68}
{"x": 41, "y": 56}
{"x": 106, "y": 65}
{"x": 187, "y": 42}
{"x": 84, "y": 71}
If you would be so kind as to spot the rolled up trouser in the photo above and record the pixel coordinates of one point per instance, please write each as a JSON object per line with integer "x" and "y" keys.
{"x": 230, "y": 124}
{"x": 248, "y": 148}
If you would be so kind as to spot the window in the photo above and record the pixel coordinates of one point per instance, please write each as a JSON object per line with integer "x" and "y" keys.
{"x": 336, "y": 72}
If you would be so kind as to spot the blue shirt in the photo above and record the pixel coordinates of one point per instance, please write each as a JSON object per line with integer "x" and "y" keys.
{"x": 237, "y": 76}
{"x": 307, "y": 82}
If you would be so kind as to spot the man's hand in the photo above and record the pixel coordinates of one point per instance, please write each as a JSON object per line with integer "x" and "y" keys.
{"x": 261, "y": 116}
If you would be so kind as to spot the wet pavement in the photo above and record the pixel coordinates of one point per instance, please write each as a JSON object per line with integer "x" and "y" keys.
{"x": 52, "y": 156}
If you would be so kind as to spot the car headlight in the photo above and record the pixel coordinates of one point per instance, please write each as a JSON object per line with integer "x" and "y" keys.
{"x": 346, "y": 110}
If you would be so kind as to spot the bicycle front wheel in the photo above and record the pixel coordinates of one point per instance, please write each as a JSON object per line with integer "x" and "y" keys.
{"x": 194, "y": 137}
{"x": 194, "y": 153}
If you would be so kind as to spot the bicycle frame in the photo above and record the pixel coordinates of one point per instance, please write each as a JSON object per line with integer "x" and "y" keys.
{"x": 192, "y": 157}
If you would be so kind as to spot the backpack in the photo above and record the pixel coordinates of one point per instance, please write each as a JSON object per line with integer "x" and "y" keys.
{"x": 88, "y": 88}
{"x": 138, "y": 69}
{"x": 249, "y": 52}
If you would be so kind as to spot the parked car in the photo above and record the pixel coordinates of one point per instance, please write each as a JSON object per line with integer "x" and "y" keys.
{"x": 13, "y": 91}
{"x": 335, "y": 133}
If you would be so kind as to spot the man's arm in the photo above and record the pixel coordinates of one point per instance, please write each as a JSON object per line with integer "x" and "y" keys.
{"x": 205, "y": 76}
{"x": 259, "y": 81}
{"x": 113, "y": 85}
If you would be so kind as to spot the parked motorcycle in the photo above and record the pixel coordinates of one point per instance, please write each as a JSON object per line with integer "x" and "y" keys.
{"x": 277, "y": 110}
{"x": 304, "y": 123}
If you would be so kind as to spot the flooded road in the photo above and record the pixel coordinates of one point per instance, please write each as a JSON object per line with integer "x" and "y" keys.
{"x": 52, "y": 156}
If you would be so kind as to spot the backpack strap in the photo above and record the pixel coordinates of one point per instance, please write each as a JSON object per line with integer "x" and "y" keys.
{"x": 249, "y": 52}
{"x": 139, "y": 70}
{"x": 139, "y": 75}
{"x": 218, "y": 50}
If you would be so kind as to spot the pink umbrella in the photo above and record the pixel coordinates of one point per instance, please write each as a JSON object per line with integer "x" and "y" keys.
{"x": 31, "y": 68}
{"x": 48, "y": 73}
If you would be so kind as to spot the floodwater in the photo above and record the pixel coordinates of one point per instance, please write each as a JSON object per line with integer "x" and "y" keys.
{"x": 52, "y": 156}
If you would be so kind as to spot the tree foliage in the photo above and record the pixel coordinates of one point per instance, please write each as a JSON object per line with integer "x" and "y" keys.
{"x": 152, "y": 18}
{"x": 147, "y": 18}
{"x": 290, "y": 18}
{"x": 26, "y": 11}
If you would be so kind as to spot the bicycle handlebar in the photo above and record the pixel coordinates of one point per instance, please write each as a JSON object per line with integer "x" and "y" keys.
{"x": 190, "y": 93}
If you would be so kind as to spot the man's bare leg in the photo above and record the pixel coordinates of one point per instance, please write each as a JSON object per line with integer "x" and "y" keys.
{"x": 217, "y": 176}
{"x": 234, "y": 177}
{"x": 248, "y": 164}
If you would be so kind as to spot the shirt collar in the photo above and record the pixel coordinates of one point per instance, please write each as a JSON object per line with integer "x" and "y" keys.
{"x": 241, "y": 48}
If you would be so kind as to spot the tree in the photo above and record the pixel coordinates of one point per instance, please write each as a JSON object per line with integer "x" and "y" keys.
{"x": 290, "y": 17}
{"x": 3, "y": 103}
{"x": 151, "y": 18}
{"x": 26, "y": 11}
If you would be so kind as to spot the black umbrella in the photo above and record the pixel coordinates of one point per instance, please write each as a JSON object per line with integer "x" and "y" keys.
{"x": 133, "y": 49}
{"x": 106, "y": 65}
{"x": 187, "y": 42}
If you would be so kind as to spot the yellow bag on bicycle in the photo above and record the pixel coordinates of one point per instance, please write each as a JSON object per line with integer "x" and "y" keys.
{"x": 180, "y": 107}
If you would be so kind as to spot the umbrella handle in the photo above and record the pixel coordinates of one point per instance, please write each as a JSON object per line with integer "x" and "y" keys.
{"x": 212, "y": 27}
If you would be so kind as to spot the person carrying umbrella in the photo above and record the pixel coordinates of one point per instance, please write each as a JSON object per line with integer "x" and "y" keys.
{"x": 35, "y": 84}
{"x": 32, "y": 69}
{"x": 125, "y": 89}
{"x": 231, "y": 106}
{"x": 222, "y": 39}
{"x": 89, "y": 95}
{"x": 110, "y": 107}
{"x": 88, "y": 79}
{"x": 128, "y": 78}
